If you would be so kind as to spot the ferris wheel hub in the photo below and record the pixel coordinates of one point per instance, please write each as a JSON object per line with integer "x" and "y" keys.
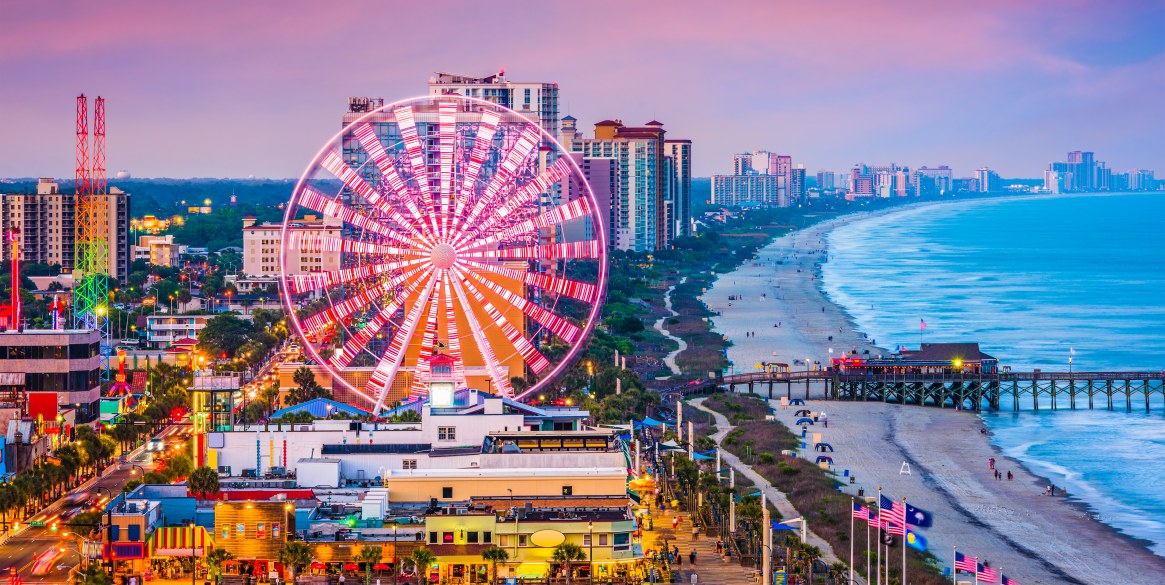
{"x": 443, "y": 256}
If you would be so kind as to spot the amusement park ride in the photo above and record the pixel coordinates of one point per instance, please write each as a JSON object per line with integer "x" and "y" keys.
{"x": 468, "y": 231}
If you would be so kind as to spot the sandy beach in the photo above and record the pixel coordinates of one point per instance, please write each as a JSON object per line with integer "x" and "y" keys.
{"x": 1011, "y": 524}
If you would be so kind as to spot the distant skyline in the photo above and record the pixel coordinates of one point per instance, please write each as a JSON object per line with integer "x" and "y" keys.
{"x": 226, "y": 89}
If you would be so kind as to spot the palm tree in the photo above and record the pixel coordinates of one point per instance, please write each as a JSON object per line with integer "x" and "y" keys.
{"x": 839, "y": 573}
{"x": 494, "y": 555}
{"x": 369, "y": 555}
{"x": 203, "y": 482}
{"x": 92, "y": 574}
{"x": 294, "y": 555}
{"x": 423, "y": 558}
{"x": 811, "y": 555}
{"x": 214, "y": 561}
{"x": 567, "y": 553}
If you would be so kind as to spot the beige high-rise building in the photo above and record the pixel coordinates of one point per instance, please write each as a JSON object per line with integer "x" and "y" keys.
{"x": 262, "y": 243}
{"x": 47, "y": 227}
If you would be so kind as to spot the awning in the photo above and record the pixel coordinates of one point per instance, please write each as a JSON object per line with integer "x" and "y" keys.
{"x": 178, "y": 541}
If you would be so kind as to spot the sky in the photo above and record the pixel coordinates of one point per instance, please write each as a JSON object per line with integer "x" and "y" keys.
{"x": 214, "y": 88}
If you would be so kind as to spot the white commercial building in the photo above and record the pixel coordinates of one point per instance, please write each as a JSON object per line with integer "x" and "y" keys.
{"x": 262, "y": 246}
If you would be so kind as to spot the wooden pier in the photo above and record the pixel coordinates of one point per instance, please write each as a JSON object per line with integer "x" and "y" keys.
{"x": 1041, "y": 390}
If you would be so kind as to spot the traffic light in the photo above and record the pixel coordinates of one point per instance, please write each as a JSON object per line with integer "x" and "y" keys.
{"x": 54, "y": 526}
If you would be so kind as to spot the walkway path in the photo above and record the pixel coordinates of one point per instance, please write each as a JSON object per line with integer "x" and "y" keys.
{"x": 670, "y": 359}
{"x": 710, "y": 568}
{"x": 773, "y": 494}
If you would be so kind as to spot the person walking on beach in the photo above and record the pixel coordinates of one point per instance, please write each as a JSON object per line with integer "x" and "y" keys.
{"x": 991, "y": 463}
{"x": 692, "y": 557}
{"x": 1009, "y": 475}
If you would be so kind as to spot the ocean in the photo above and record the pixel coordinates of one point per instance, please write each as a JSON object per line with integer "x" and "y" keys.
{"x": 1038, "y": 282}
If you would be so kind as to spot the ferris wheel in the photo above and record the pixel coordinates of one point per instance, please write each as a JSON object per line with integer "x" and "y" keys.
{"x": 442, "y": 225}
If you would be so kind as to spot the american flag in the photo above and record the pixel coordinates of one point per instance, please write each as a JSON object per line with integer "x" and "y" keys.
{"x": 892, "y": 511}
{"x": 892, "y": 528}
{"x": 985, "y": 574}
{"x": 861, "y": 512}
{"x": 1009, "y": 581}
{"x": 966, "y": 563}
{"x": 873, "y": 519}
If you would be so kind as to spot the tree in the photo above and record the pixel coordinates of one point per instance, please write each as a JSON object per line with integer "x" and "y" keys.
{"x": 182, "y": 466}
{"x": 839, "y": 573}
{"x": 567, "y": 553}
{"x": 369, "y": 555}
{"x": 494, "y": 555}
{"x": 214, "y": 561}
{"x": 224, "y": 334}
{"x": 203, "y": 482}
{"x": 295, "y": 554}
{"x": 92, "y": 574}
{"x": 308, "y": 388}
{"x": 422, "y": 559}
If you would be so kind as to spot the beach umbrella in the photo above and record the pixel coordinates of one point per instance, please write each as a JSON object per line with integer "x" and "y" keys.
{"x": 318, "y": 566}
{"x": 351, "y": 567}
{"x": 381, "y": 567}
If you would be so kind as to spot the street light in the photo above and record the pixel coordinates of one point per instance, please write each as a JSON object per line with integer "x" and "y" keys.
{"x": 193, "y": 559}
{"x": 591, "y": 541}
{"x": 395, "y": 544}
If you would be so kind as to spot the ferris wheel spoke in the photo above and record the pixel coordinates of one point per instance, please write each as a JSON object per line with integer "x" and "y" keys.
{"x": 453, "y": 338}
{"x": 311, "y": 242}
{"x": 416, "y": 154}
{"x": 565, "y": 330}
{"x": 481, "y": 146}
{"x": 505, "y": 173}
{"x": 336, "y": 165}
{"x": 380, "y": 383}
{"x": 360, "y": 339}
{"x": 314, "y": 281}
{"x": 529, "y": 353}
{"x": 447, "y": 137}
{"x": 582, "y": 291}
{"x": 525, "y": 194}
{"x": 492, "y": 365}
{"x": 551, "y": 217}
{"x": 317, "y": 323}
{"x": 371, "y": 143}
{"x": 316, "y": 201}
{"x": 590, "y": 249}
{"x": 428, "y": 340}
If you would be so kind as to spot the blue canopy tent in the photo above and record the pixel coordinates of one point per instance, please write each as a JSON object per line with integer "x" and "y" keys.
{"x": 796, "y": 402}
{"x": 803, "y": 412}
{"x": 702, "y": 457}
{"x": 649, "y": 422}
{"x": 804, "y": 421}
{"x": 825, "y": 458}
{"x": 823, "y": 447}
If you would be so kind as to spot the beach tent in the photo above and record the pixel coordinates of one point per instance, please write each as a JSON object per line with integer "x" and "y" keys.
{"x": 825, "y": 458}
{"x": 702, "y": 457}
{"x": 823, "y": 447}
{"x": 804, "y": 421}
{"x": 796, "y": 402}
{"x": 803, "y": 412}
{"x": 671, "y": 446}
{"x": 650, "y": 422}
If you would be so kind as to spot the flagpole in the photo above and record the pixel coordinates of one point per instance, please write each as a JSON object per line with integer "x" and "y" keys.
{"x": 904, "y": 531}
{"x": 879, "y": 560}
{"x": 852, "y": 503}
{"x": 954, "y": 568}
{"x": 868, "y": 573}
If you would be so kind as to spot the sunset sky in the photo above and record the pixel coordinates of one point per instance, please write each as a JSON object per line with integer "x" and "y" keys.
{"x": 232, "y": 89}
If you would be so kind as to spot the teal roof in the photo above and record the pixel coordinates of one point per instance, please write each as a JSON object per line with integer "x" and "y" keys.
{"x": 318, "y": 407}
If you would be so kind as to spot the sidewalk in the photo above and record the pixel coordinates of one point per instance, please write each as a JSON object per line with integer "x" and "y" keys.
{"x": 710, "y": 568}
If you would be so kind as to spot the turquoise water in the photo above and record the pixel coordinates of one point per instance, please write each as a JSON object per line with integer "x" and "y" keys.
{"x": 1036, "y": 282}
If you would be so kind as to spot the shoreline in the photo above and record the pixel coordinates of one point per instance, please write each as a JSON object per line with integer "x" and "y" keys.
{"x": 782, "y": 283}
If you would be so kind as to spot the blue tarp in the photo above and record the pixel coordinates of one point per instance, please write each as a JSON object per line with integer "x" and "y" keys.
{"x": 701, "y": 457}
{"x": 651, "y": 422}
{"x": 779, "y": 526}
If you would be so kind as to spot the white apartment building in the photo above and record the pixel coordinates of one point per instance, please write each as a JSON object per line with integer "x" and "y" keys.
{"x": 679, "y": 192}
{"x": 262, "y": 244}
{"x": 158, "y": 250}
{"x": 535, "y": 100}
{"x": 162, "y": 330}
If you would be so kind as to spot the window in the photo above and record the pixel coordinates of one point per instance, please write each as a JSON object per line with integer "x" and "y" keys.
{"x": 471, "y": 538}
{"x": 446, "y": 433}
{"x": 622, "y": 541}
{"x": 487, "y": 537}
{"x": 567, "y": 490}
{"x": 432, "y": 538}
{"x": 135, "y": 533}
{"x": 586, "y": 540}
{"x": 447, "y": 492}
{"x": 521, "y": 540}
{"x": 242, "y": 529}
{"x": 603, "y": 540}
{"x": 114, "y": 533}
{"x": 447, "y": 537}
{"x": 410, "y": 464}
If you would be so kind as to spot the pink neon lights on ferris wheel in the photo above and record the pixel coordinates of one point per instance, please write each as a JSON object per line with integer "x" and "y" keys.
{"x": 450, "y": 239}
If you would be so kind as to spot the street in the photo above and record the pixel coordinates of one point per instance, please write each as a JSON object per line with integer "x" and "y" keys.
{"x": 20, "y": 550}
